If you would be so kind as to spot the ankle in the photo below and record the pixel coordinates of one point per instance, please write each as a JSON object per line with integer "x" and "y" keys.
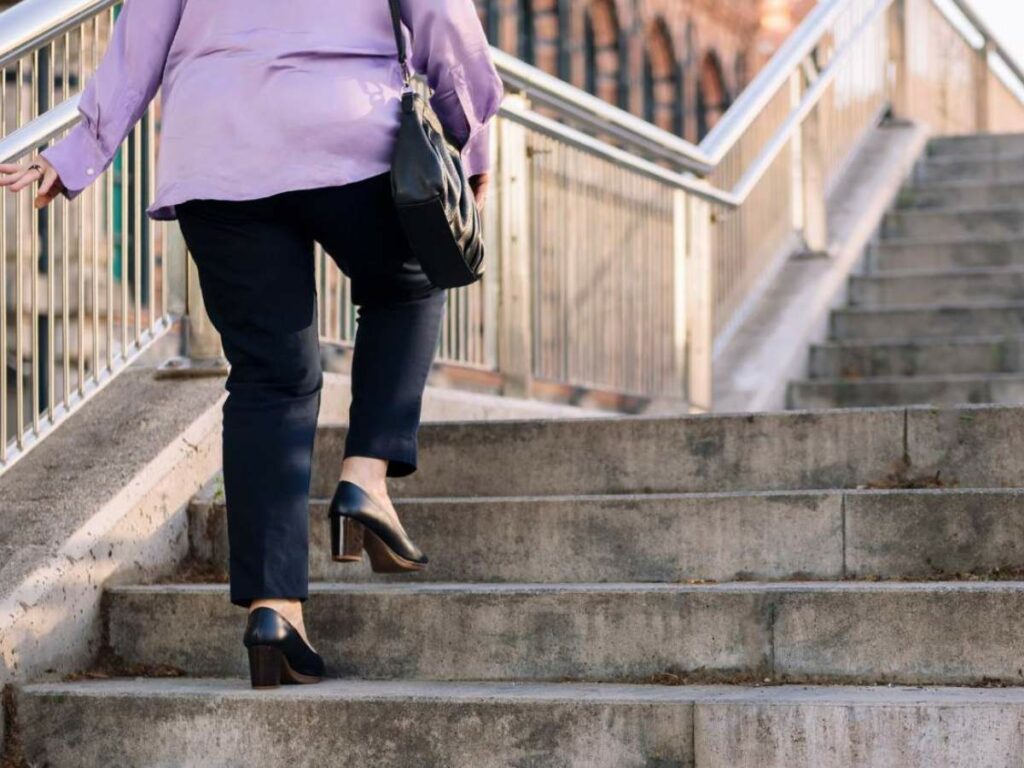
{"x": 368, "y": 474}
{"x": 289, "y": 609}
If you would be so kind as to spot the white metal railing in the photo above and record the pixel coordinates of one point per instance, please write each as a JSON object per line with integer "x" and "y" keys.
{"x": 619, "y": 252}
{"x": 81, "y": 286}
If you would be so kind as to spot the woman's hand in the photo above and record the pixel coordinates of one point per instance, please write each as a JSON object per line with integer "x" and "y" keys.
{"x": 479, "y": 185}
{"x": 17, "y": 176}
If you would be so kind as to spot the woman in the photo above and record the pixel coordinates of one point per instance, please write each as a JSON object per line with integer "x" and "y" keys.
{"x": 278, "y": 125}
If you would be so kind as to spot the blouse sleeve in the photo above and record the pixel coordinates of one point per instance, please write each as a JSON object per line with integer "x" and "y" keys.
{"x": 118, "y": 93}
{"x": 449, "y": 47}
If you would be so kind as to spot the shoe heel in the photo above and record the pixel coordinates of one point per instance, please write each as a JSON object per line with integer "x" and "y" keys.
{"x": 346, "y": 539}
{"x": 265, "y": 666}
{"x": 383, "y": 559}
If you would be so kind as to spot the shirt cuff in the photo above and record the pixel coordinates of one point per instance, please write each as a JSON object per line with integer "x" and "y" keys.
{"x": 78, "y": 160}
{"x": 476, "y": 154}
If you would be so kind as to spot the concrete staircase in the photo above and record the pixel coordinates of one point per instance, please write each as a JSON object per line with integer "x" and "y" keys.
{"x": 757, "y": 591}
{"x": 938, "y": 315}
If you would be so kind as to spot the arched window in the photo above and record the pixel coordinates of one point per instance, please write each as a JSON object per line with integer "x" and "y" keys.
{"x": 564, "y": 15}
{"x": 740, "y": 71}
{"x": 491, "y": 16}
{"x": 526, "y": 45}
{"x": 540, "y": 39}
{"x": 663, "y": 91}
{"x": 605, "y": 72}
{"x": 712, "y": 95}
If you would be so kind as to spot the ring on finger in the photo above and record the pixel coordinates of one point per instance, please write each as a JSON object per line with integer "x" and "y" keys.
{"x": 36, "y": 167}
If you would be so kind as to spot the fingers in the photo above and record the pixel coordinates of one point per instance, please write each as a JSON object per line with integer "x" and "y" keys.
{"x": 16, "y": 177}
{"x": 480, "y": 184}
{"x": 49, "y": 177}
{"x": 26, "y": 177}
{"x": 49, "y": 188}
{"x": 12, "y": 172}
{"x": 43, "y": 200}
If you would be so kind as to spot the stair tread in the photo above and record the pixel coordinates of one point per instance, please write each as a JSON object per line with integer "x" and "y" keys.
{"x": 897, "y": 242}
{"x": 951, "y": 378}
{"x": 632, "y": 588}
{"x": 949, "y": 272}
{"x": 924, "y": 341}
{"x": 952, "y": 184}
{"x": 470, "y": 501}
{"x": 951, "y": 307}
{"x": 988, "y": 158}
{"x": 957, "y": 210}
{"x": 472, "y": 691}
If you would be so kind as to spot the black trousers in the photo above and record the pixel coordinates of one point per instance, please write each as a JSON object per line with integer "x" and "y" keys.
{"x": 256, "y": 270}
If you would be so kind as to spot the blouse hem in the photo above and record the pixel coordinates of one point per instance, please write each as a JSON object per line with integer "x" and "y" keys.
{"x": 163, "y": 207}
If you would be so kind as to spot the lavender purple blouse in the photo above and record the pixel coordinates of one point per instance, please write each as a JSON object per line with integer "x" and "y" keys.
{"x": 265, "y": 96}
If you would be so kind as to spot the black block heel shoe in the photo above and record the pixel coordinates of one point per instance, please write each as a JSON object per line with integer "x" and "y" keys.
{"x": 277, "y": 652}
{"x": 358, "y": 523}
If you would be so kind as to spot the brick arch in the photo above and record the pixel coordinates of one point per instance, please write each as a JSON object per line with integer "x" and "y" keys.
{"x": 741, "y": 67}
{"x": 552, "y": 46}
{"x": 605, "y": 70}
{"x": 490, "y": 15}
{"x": 663, "y": 102}
{"x": 526, "y": 31}
{"x": 712, "y": 93}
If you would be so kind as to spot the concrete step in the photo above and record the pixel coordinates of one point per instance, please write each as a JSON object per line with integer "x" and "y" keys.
{"x": 948, "y": 633}
{"x": 609, "y": 538}
{"x": 935, "y": 254}
{"x": 982, "y": 447}
{"x": 197, "y": 723}
{"x": 948, "y": 389}
{"x": 919, "y": 357}
{"x": 972, "y": 167}
{"x": 948, "y": 286}
{"x": 964, "y": 194}
{"x": 977, "y": 145}
{"x": 992, "y": 221}
{"x": 686, "y": 537}
{"x": 939, "y": 321}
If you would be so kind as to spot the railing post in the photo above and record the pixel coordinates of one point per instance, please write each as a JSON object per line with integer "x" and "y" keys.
{"x": 807, "y": 187}
{"x": 699, "y": 300}
{"x": 201, "y": 350}
{"x": 203, "y": 340}
{"x": 812, "y": 175}
{"x": 899, "y": 69}
{"x": 982, "y": 87}
{"x": 515, "y": 314}
{"x": 680, "y": 301}
{"x": 815, "y": 211}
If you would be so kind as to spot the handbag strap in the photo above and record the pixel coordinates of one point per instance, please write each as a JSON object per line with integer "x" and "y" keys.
{"x": 403, "y": 55}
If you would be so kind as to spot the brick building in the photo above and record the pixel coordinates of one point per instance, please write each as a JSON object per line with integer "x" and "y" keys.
{"x": 678, "y": 63}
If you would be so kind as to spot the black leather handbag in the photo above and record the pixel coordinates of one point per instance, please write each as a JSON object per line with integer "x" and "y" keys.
{"x": 435, "y": 203}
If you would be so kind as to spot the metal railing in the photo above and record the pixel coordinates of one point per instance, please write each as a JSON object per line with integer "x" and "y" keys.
{"x": 619, "y": 253}
{"x": 81, "y": 286}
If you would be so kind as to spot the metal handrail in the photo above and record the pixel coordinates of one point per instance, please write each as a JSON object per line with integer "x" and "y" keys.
{"x": 993, "y": 41}
{"x": 564, "y": 155}
{"x": 613, "y": 154}
{"x": 39, "y": 131}
{"x": 790, "y": 57}
{"x": 759, "y": 167}
{"x": 753, "y": 99}
{"x": 596, "y": 113}
{"x": 31, "y": 24}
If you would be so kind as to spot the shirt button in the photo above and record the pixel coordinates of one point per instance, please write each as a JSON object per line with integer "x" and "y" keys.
{"x": 90, "y": 171}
